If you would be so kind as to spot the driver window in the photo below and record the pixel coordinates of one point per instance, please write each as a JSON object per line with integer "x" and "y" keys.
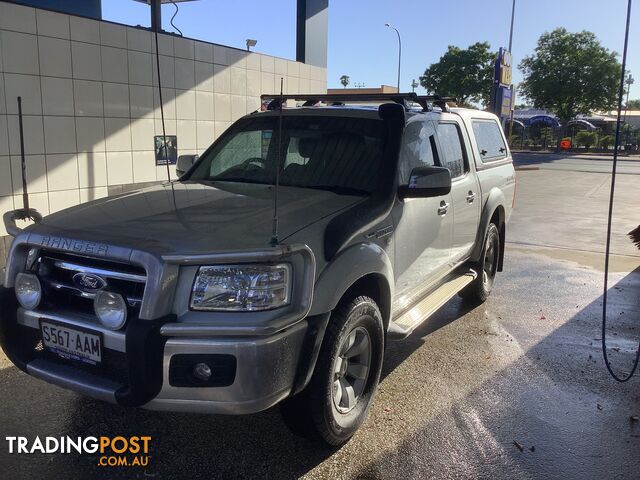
{"x": 418, "y": 147}
{"x": 240, "y": 148}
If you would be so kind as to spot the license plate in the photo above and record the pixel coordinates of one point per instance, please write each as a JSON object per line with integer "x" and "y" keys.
{"x": 72, "y": 343}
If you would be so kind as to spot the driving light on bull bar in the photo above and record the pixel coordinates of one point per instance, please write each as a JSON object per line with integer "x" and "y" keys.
{"x": 241, "y": 288}
{"x": 111, "y": 309}
{"x": 28, "y": 290}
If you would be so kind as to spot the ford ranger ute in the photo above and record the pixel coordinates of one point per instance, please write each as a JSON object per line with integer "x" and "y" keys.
{"x": 275, "y": 269}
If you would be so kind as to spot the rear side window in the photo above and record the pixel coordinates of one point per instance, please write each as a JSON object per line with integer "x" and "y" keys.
{"x": 490, "y": 141}
{"x": 452, "y": 151}
{"x": 418, "y": 149}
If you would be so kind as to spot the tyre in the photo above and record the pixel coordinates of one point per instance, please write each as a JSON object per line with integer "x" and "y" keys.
{"x": 345, "y": 378}
{"x": 479, "y": 290}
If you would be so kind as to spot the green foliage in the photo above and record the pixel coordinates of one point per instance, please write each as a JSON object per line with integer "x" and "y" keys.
{"x": 466, "y": 74}
{"x": 547, "y": 136}
{"x": 344, "y": 80}
{"x": 629, "y": 135}
{"x": 634, "y": 104}
{"x": 570, "y": 74}
{"x": 515, "y": 141}
{"x": 586, "y": 138}
{"x": 606, "y": 141}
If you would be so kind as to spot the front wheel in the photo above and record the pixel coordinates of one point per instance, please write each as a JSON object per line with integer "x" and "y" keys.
{"x": 479, "y": 290}
{"x": 346, "y": 376}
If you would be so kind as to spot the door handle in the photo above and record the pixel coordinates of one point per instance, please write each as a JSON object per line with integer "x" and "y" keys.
{"x": 471, "y": 197}
{"x": 442, "y": 209}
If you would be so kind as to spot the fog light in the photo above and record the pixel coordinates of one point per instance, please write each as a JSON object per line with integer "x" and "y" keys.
{"x": 111, "y": 309}
{"x": 28, "y": 290}
{"x": 202, "y": 371}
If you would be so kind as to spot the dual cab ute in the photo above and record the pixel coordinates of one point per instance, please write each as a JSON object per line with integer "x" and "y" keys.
{"x": 196, "y": 295}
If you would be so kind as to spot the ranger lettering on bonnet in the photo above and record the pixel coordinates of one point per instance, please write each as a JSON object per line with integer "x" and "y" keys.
{"x": 176, "y": 298}
{"x": 77, "y": 246}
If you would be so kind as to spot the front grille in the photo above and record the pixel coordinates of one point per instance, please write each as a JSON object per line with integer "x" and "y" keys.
{"x": 59, "y": 274}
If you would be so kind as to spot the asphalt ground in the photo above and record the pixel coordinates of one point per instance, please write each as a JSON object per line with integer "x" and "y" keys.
{"x": 513, "y": 388}
{"x": 590, "y": 163}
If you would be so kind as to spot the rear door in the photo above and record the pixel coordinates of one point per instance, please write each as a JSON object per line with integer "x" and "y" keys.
{"x": 466, "y": 199}
{"x": 423, "y": 226}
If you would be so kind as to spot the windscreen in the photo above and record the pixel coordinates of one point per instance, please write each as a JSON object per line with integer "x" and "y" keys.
{"x": 340, "y": 154}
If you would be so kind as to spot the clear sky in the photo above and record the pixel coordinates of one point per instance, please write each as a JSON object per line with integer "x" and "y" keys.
{"x": 363, "y": 48}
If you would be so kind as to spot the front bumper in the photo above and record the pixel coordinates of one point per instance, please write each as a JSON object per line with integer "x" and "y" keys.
{"x": 265, "y": 373}
{"x": 137, "y": 364}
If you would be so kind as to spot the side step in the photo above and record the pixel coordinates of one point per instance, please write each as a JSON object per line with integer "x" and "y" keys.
{"x": 403, "y": 325}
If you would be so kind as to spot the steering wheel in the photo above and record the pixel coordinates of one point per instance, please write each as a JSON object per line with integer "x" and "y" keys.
{"x": 261, "y": 161}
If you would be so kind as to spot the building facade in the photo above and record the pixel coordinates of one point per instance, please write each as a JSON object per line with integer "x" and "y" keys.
{"x": 91, "y": 106}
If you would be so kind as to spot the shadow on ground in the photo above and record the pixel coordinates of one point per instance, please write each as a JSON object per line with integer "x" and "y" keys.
{"x": 460, "y": 393}
{"x": 552, "y": 413}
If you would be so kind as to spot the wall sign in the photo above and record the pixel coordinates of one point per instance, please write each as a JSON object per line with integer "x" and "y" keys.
{"x": 166, "y": 149}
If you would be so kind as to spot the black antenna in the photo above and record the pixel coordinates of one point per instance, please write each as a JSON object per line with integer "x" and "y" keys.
{"x": 25, "y": 193}
{"x": 164, "y": 133}
{"x": 274, "y": 235}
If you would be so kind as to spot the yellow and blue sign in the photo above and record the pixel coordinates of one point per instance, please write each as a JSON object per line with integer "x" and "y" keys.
{"x": 504, "y": 67}
{"x": 502, "y": 93}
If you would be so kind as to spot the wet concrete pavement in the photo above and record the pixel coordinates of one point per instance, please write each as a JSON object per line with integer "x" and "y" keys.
{"x": 455, "y": 397}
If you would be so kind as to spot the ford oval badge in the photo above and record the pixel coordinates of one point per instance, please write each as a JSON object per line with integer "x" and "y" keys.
{"x": 89, "y": 281}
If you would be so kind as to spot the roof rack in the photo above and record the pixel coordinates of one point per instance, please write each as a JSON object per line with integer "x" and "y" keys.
{"x": 439, "y": 101}
{"x": 404, "y": 99}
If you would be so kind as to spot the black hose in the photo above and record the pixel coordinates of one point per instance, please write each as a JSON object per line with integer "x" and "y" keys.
{"x": 611, "y": 195}
{"x": 23, "y": 163}
{"x": 174, "y": 16}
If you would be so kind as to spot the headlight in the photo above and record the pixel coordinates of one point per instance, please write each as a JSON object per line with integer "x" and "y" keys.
{"x": 111, "y": 309}
{"x": 241, "y": 287}
{"x": 28, "y": 290}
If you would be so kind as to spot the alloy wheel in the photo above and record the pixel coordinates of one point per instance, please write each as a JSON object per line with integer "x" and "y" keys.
{"x": 351, "y": 369}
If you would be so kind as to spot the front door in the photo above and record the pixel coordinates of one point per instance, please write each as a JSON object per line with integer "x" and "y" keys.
{"x": 465, "y": 191}
{"x": 423, "y": 226}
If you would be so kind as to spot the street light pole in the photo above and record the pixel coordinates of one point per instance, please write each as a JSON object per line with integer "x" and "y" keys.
{"x": 513, "y": 13}
{"x": 630, "y": 81}
{"x": 399, "y": 51}
{"x": 513, "y": 107}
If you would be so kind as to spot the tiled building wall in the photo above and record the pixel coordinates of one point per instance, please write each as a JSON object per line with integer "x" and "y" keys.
{"x": 91, "y": 103}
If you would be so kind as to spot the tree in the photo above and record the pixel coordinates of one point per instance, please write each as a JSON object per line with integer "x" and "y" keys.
{"x": 547, "y": 137}
{"x": 570, "y": 74}
{"x": 344, "y": 80}
{"x": 634, "y": 104}
{"x": 466, "y": 74}
{"x": 586, "y": 138}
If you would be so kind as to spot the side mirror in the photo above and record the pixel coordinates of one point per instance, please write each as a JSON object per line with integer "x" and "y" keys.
{"x": 184, "y": 163}
{"x": 427, "y": 182}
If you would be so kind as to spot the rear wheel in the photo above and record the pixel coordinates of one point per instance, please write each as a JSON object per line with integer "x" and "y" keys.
{"x": 338, "y": 397}
{"x": 480, "y": 288}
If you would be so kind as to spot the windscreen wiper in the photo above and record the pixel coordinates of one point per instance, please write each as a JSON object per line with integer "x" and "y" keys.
{"x": 339, "y": 189}
{"x": 236, "y": 180}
